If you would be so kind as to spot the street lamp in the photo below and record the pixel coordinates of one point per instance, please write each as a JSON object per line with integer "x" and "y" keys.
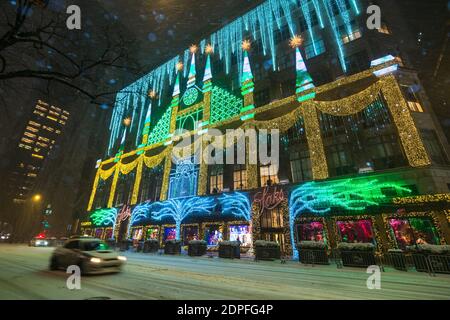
{"x": 37, "y": 197}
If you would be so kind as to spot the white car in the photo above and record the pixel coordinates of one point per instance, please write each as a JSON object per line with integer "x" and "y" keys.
{"x": 92, "y": 255}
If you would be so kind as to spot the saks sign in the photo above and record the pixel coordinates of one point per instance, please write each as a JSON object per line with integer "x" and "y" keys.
{"x": 269, "y": 198}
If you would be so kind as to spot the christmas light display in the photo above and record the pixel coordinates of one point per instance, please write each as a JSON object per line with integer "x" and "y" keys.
{"x": 236, "y": 204}
{"x": 139, "y": 213}
{"x": 179, "y": 209}
{"x": 221, "y": 98}
{"x": 104, "y": 217}
{"x": 349, "y": 194}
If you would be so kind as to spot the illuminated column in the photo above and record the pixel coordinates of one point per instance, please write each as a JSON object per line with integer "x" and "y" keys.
{"x": 137, "y": 180}
{"x": 247, "y": 85}
{"x": 207, "y": 90}
{"x": 166, "y": 175}
{"x": 315, "y": 142}
{"x": 113, "y": 186}
{"x": 409, "y": 136}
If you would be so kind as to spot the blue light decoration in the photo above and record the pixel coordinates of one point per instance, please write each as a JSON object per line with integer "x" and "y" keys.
{"x": 179, "y": 209}
{"x": 139, "y": 213}
{"x": 381, "y": 60}
{"x": 184, "y": 178}
{"x": 336, "y": 32}
{"x": 236, "y": 204}
{"x": 349, "y": 194}
{"x": 386, "y": 70}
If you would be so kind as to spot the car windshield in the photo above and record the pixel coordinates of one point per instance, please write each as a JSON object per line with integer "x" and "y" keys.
{"x": 95, "y": 246}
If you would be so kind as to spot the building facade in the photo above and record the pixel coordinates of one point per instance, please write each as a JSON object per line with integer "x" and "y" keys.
{"x": 361, "y": 155}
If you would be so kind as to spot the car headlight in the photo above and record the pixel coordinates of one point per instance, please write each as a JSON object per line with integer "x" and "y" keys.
{"x": 122, "y": 258}
{"x": 45, "y": 243}
{"x": 96, "y": 260}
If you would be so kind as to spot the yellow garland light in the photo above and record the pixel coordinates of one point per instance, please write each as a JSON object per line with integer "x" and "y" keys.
{"x": 315, "y": 143}
{"x": 440, "y": 197}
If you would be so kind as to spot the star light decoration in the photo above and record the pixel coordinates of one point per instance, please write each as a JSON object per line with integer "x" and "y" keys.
{"x": 246, "y": 45}
{"x": 296, "y": 41}
{"x": 127, "y": 121}
{"x": 209, "y": 49}
{"x": 152, "y": 94}
{"x": 180, "y": 66}
{"x": 193, "y": 48}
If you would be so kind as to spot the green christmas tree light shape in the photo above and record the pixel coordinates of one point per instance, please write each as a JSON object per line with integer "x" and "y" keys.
{"x": 321, "y": 198}
{"x": 179, "y": 209}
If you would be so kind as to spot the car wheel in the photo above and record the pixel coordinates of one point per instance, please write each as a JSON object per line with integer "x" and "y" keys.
{"x": 54, "y": 263}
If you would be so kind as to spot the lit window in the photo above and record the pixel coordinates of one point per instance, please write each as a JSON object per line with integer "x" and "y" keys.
{"x": 412, "y": 98}
{"x": 350, "y": 35}
{"x": 240, "y": 178}
{"x": 62, "y": 122}
{"x": 29, "y": 135}
{"x": 48, "y": 128}
{"x": 216, "y": 179}
{"x": 66, "y": 112}
{"x": 64, "y": 117}
{"x": 314, "y": 49}
{"x": 43, "y": 139}
{"x": 24, "y": 146}
{"x": 39, "y": 113}
{"x": 51, "y": 118}
{"x": 32, "y": 129}
{"x": 58, "y": 131}
{"x": 32, "y": 175}
{"x": 55, "y": 108}
{"x": 268, "y": 172}
{"x": 56, "y": 114}
{"x": 384, "y": 29}
{"x": 41, "y": 108}
{"x": 35, "y": 124}
{"x": 37, "y": 156}
{"x": 26, "y": 140}
{"x": 43, "y": 145}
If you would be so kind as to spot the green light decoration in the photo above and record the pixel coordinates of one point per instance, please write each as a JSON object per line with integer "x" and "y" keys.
{"x": 192, "y": 72}
{"x": 224, "y": 105}
{"x": 161, "y": 130}
{"x": 208, "y": 72}
{"x": 190, "y": 96}
{"x": 304, "y": 81}
{"x": 349, "y": 194}
{"x": 104, "y": 217}
{"x": 246, "y": 71}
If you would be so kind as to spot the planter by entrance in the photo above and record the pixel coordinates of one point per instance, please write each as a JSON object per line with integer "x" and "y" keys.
{"x": 267, "y": 250}
{"x": 431, "y": 258}
{"x": 197, "y": 248}
{"x": 172, "y": 247}
{"x": 140, "y": 246}
{"x": 229, "y": 249}
{"x": 397, "y": 259}
{"x": 312, "y": 252}
{"x": 357, "y": 254}
{"x": 151, "y": 246}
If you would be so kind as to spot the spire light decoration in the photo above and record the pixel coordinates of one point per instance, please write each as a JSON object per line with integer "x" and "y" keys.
{"x": 295, "y": 42}
{"x": 263, "y": 22}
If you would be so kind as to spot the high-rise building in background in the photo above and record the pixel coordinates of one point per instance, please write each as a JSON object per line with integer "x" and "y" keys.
{"x": 41, "y": 132}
